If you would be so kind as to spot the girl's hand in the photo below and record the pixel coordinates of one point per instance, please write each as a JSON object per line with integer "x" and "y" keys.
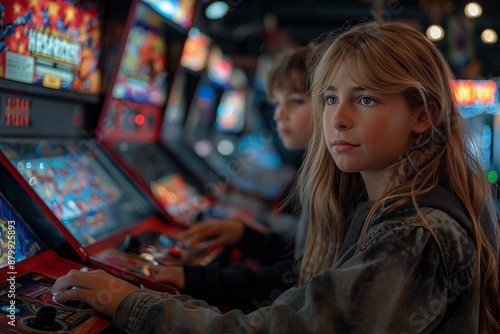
{"x": 97, "y": 288}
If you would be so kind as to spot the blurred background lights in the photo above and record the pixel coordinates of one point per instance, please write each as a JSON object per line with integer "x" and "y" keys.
{"x": 473, "y": 10}
{"x": 225, "y": 147}
{"x": 489, "y": 36}
{"x": 435, "y": 32}
{"x": 492, "y": 176}
{"x": 217, "y": 10}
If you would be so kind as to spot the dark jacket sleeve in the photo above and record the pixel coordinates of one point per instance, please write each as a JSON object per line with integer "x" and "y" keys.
{"x": 239, "y": 286}
{"x": 266, "y": 248}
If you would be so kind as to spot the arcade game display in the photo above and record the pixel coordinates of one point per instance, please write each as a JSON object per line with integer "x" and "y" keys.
{"x": 26, "y": 304}
{"x": 99, "y": 217}
{"x": 219, "y": 128}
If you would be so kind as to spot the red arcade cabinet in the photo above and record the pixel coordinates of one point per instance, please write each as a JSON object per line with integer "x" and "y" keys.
{"x": 50, "y": 100}
{"x": 28, "y": 270}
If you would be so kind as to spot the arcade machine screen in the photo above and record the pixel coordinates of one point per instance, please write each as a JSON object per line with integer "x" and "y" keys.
{"x": 75, "y": 187}
{"x": 230, "y": 116}
{"x": 95, "y": 207}
{"x": 16, "y": 240}
{"x": 143, "y": 70}
{"x": 26, "y": 304}
{"x": 180, "y": 12}
{"x": 92, "y": 205}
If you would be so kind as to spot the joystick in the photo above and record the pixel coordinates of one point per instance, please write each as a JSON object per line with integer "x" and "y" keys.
{"x": 132, "y": 244}
{"x": 45, "y": 319}
{"x": 200, "y": 216}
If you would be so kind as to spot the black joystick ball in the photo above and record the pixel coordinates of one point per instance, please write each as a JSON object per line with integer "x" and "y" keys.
{"x": 200, "y": 216}
{"x": 132, "y": 244}
{"x": 46, "y": 316}
{"x": 45, "y": 319}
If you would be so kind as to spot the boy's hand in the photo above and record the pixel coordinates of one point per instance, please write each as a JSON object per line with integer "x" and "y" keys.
{"x": 215, "y": 232}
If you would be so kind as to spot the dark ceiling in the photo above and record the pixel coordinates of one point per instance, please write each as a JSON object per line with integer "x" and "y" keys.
{"x": 242, "y": 31}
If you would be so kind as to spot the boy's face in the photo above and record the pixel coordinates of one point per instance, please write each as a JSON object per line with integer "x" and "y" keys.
{"x": 292, "y": 116}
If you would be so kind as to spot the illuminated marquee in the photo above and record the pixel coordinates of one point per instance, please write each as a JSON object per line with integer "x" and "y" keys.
{"x": 53, "y": 47}
{"x": 52, "y": 43}
{"x": 475, "y": 96}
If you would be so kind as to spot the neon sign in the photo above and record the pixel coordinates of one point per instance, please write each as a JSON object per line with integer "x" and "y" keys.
{"x": 475, "y": 96}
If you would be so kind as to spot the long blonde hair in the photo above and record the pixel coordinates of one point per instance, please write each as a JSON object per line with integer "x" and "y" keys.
{"x": 388, "y": 63}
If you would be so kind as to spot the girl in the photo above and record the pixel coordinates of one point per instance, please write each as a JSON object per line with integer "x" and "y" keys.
{"x": 401, "y": 236}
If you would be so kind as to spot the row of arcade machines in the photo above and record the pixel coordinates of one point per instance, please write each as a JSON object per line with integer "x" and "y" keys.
{"x": 65, "y": 203}
{"x": 209, "y": 154}
{"x": 118, "y": 202}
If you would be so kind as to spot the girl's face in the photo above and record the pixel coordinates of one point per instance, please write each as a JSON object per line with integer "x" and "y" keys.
{"x": 365, "y": 131}
{"x": 292, "y": 116}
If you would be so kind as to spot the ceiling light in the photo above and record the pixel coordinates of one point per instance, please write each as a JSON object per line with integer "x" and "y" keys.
{"x": 473, "y": 10}
{"x": 489, "y": 36}
{"x": 435, "y": 32}
{"x": 217, "y": 10}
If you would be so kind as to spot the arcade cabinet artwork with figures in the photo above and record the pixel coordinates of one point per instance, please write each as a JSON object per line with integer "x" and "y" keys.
{"x": 50, "y": 99}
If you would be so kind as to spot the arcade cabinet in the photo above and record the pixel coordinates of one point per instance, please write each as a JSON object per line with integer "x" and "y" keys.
{"x": 28, "y": 270}
{"x": 50, "y": 99}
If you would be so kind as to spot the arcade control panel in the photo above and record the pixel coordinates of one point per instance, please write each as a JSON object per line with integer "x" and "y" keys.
{"x": 27, "y": 306}
{"x": 163, "y": 249}
{"x": 140, "y": 253}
